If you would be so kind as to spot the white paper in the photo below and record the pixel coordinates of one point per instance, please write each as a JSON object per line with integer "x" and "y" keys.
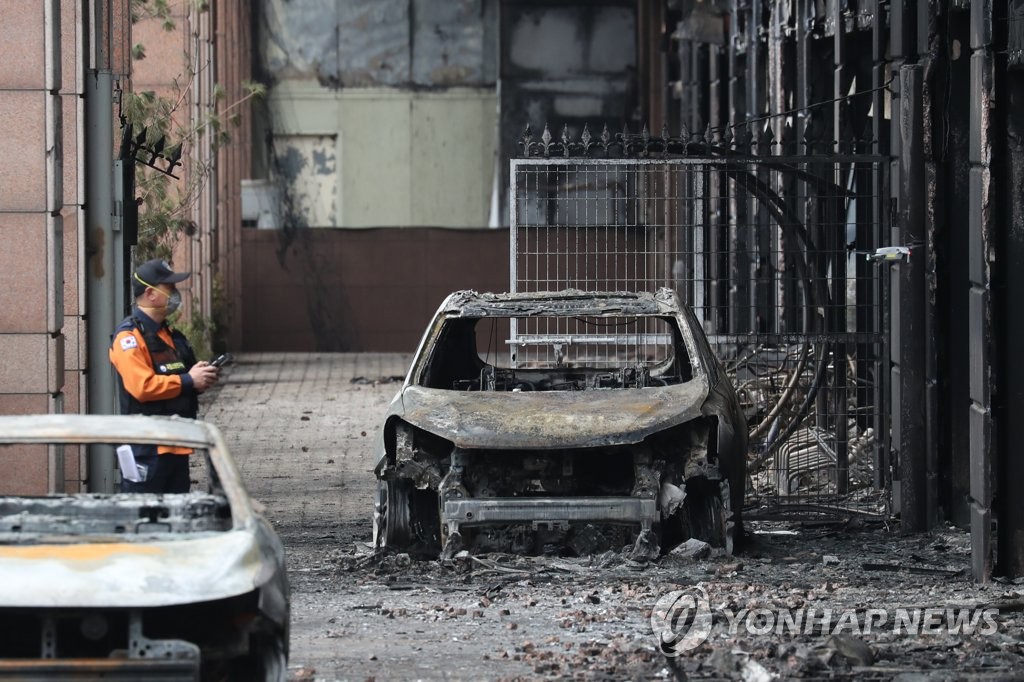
{"x": 126, "y": 460}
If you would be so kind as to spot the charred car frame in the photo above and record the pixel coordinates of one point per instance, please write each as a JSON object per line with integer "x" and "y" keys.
{"x": 138, "y": 586}
{"x": 605, "y": 417}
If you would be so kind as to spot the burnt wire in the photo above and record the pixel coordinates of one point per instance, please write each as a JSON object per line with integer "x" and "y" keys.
{"x": 815, "y": 105}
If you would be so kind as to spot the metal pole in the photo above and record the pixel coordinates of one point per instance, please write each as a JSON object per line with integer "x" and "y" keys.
{"x": 913, "y": 457}
{"x": 102, "y": 263}
{"x": 930, "y": 286}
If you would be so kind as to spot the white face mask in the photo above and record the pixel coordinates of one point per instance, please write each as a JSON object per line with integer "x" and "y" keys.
{"x": 173, "y": 301}
{"x": 173, "y": 298}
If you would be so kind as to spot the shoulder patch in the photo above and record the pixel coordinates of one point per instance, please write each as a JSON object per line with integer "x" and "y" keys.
{"x": 128, "y": 342}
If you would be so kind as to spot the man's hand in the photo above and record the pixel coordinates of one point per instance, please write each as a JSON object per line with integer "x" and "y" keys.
{"x": 204, "y": 375}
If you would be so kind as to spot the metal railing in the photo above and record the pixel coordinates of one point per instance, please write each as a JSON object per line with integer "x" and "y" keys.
{"x": 769, "y": 249}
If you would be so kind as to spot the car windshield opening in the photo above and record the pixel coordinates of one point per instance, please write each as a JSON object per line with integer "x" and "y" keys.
{"x": 28, "y": 515}
{"x": 552, "y": 353}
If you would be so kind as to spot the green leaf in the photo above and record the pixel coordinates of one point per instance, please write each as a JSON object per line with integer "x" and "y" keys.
{"x": 138, "y": 52}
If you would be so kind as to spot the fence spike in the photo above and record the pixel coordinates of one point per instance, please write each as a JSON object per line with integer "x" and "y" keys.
{"x": 809, "y": 136}
{"x": 527, "y": 140}
{"x": 767, "y": 139}
{"x": 606, "y": 138}
{"x": 708, "y": 136}
{"x": 565, "y": 140}
{"x": 727, "y": 137}
{"x": 665, "y": 139}
{"x": 585, "y": 137}
{"x": 545, "y": 138}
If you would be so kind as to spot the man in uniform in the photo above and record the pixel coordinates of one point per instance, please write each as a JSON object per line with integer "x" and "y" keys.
{"x": 158, "y": 374}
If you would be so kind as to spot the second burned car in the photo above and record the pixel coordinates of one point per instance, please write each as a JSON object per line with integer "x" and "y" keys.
{"x": 561, "y": 421}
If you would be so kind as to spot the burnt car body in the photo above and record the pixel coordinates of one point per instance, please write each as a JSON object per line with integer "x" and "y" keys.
{"x": 610, "y": 419}
{"x": 138, "y": 586}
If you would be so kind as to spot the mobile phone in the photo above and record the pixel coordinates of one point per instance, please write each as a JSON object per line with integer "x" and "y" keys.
{"x": 223, "y": 359}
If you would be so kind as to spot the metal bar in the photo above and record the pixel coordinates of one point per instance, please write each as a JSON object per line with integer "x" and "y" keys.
{"x": 513, "y": 246}
{"x": 913, "y": 472}
{"x": 699, "y": 222}
{"x": 837, "y": 255}
{"x": 166, "y": 670}
{"x": 880, "y": 218}
{"x": 782, "y": 162}
{"x": 795, "y": 338}
{"x": 740, "y": 274}
{"x": 930, "y": 286}
{"x": 603, "y": 339}
{"x": 470, "y": 512}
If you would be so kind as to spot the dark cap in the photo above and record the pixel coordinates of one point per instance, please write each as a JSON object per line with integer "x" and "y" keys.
{"x": 153, "y": 272}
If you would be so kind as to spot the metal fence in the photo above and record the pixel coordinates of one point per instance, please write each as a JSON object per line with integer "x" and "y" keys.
{"x": 770, "y": 252}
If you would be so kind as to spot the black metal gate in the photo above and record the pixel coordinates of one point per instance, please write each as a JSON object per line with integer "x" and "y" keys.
{"x": 771, "y": 249}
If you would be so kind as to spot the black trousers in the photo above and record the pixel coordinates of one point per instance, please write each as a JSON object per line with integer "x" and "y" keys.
{"x": 165, "y": 474}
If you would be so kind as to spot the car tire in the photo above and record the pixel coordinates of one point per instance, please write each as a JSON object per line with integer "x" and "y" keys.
{"x": 273, "y": 661}
{"x": 397, "y": 533}
{"x": 410, "y": 518}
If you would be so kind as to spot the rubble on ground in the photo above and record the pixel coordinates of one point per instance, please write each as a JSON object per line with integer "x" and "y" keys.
{"x": 589, "y": 617}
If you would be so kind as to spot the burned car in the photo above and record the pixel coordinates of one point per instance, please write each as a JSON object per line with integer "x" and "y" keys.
{"x": 566, "y": 422}
{"x": 138, "y": 586}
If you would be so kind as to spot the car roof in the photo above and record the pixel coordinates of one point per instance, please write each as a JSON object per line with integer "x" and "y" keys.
{"x": 567, "y": 301}
{"x": 90, "y": 428}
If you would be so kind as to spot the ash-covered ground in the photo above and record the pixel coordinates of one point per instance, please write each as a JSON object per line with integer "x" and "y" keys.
{"x": 845, "y": 599}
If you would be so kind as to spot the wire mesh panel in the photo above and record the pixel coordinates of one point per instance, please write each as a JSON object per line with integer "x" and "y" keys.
{"x": 770, "y": 252}
{"x": 598, "y": 343}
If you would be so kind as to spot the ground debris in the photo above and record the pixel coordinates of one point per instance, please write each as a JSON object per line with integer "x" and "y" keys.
{"x": 693, "y": 549}
{"x": 364, "y": 381}
{"x": 589, "y": 617}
